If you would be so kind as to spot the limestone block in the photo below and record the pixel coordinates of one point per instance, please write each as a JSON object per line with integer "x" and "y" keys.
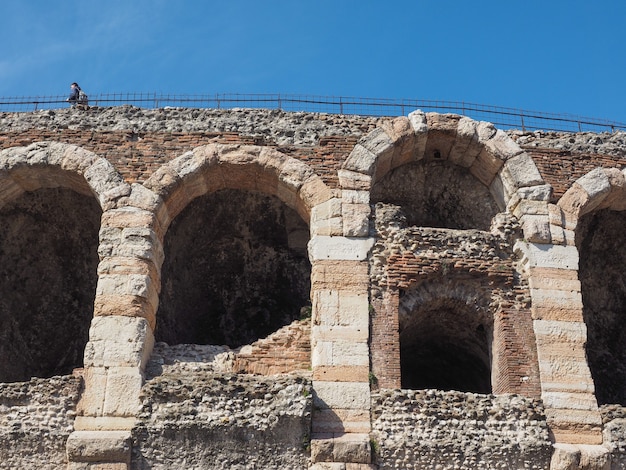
{"x": 540, "y": 192}
{"x": 103, "y": 179}
{"x": 354, "y": 180}
{"x": 287, "y": 194}
{"x": 355, "y": 219}
{"x": 575, "y": 426}
{"x": 418, "y": 122}
{"x": 327, "y": 227}
{"x": 560, "y": 332}
{"x": 341, "y": 275}
{"x": 466, "y": 146}
{"x": 550, "y": 304}
{"x": 327, "y": 210}
{"x": 403, "y": 136}
{"x": 328, "y": 465}
{"x": 557, "y": 235}
{"x": 339, "y": 373}
{"x": 314, "y": 192}
{"x": 77, "y": 159}
{"x": 321, "y": 353}
{"x": 99, "y": 446}
{"x": 547, "y": 255}
{"x": 362, "y": 159}
{"x": 569, "y": 400}
{"x": 587, "y": 193}
{"x": 560, "y": 372}
{"x": 340, "y": 308}
{"x": 131, "y": 242}
{"x": 565, "y": 457}
{"x": 503, "y": 147}
{"x": 353, "y": 196}
{"x": 129, "y": 284}
{"x": 351, "y": 448}
{"x": 345, "y": 395}
{"x": 536, "y": 228}
{"x": 485, "y": 167}
{"x": 339, "y": 333}
{"x": 594, "y": 457}
{"x": 341, "y": 421}
{"x": 104, "y": 423}
{"x": 595, "y": 183}
{"x": 520, "y": 171}
{"x": 126, "y": 305}
{"x": 118, "y": 341}
{"x": 325, "y": 306}
{"x": 537, "y": 281}
{"x": 92, "y": 399}
{"x": 143, "y": 198}
{"x": 122, "y": 392}
{"x": 336, "y": 352}
{"x": 380, "y": 144}
{"x": 339, "y": 248}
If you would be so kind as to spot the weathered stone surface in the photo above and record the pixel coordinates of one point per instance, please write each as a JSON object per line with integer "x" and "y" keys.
{"x": 36, "y": 418}
{"x": 428, "y": 428}
{"x": 222, "y": 421}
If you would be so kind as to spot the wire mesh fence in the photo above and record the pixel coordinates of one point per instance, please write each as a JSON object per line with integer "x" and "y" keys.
{"x": 506, "y": 118}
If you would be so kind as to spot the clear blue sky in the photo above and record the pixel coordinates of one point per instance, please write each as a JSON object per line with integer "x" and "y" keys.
{"x": 561, "y": 56}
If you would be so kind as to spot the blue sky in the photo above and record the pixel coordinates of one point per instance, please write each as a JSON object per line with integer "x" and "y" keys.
{"x": 549, "y": 55}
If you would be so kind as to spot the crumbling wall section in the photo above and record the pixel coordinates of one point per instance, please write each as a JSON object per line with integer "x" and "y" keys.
{"x": 428, "y": 429}
{"x": 211, "y": 420}
{"x": 36, "y": 418}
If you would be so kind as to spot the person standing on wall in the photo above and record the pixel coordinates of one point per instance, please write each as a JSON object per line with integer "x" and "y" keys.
{"x": 77, "y": 96}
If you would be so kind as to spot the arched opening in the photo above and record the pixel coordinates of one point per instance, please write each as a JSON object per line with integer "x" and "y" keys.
{"x": 445, "y": 345}
{"x": 48, "y": 276}
{"x": 236, "y": 269}
{"x": 437, "y": 193}
{"x": 600, "y": 241}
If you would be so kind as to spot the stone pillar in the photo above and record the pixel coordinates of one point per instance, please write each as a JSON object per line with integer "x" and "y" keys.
{"x": 567, "y": 387}
{"x": 340, "y": 354}
{"x": 120, "y": 340}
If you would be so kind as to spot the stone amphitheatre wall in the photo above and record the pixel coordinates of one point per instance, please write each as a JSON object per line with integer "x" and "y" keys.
{"x": 261, "y": 289}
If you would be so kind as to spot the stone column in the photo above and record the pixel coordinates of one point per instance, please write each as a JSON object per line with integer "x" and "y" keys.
{"x": 567, "y": 387}
{"x": 340, "y": 354}
{"x": 120, "y": 340}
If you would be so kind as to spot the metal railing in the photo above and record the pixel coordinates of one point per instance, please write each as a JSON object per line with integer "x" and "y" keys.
{"x": 506, "y": 118}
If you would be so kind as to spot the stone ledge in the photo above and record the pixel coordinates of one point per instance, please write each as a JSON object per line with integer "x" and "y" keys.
{"x": 99, "y": 446}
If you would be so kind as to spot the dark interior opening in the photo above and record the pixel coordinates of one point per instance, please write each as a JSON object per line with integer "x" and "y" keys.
{"x": 445, "y": 348}
{"x": 437, "y": 194}
{"x": 601, "y": 244}
{"x": 48, "y": 277}
{"x": 236, "y": 269}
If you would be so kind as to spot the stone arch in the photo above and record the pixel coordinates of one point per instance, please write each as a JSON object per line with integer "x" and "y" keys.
{"x": 51, "y": 200}
{"x": 594, "y": 208}
{"x": 55, "y": 164}
{"x": 212, "y": 167}
{"x": 487, "y": 153}
{"x": 200, "y": 189}
{"x": 446, "y": 334}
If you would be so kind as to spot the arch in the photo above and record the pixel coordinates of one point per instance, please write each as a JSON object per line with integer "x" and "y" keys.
{"x": 601, "y": 188}
{"x": 55, "y": 164}
{"x": 594, "y": 208}
{"x": 206, "y": 184}
{"x": 446, "y": 338}
{"x": 51, "y": 200}
{"x": 489, "y": 154}
{"x": 212, "y": 167}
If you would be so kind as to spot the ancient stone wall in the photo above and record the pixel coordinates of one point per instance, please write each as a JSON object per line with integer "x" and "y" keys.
{"x": 460, "y": 431}
{"x": 36, "y": 419}
{"x": 262, "y": 289}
